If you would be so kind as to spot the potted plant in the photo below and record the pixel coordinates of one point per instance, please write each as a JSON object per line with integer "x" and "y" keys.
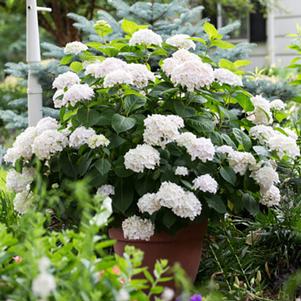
{"x": 171, "y": 136}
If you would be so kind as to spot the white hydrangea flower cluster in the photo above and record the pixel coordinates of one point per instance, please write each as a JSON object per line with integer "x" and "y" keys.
{"x": 225, "y": 76}
{"x": 277, "y": 105}
{"x": 83, "y": 135}
{"x": 149, "y": 203}
{"x": 241, "y": 161}
{"x": 75, "y": 47}
{"x": 115, "y": 71}
{"x": 145, "y": 37}
{"x": 271, "y": 197}
{"x": 77, "y": 93}
{"x": 205, "y": 183}
{"x": 140, "y": 75}
{"x": 102, "y": 218}
{"x": 291, "y": 133}
{"x": 169, "y": 65}
{"x": 106, "y": 190}
{"x": 117, "y": 77}
{"x": 276, "y": 141}
{"x": 262, "y": 111}
{"x": 136, "y": 228}
{"x": 182, "y": 41}
{"x": 66, "y": 80}
{"x": 98, "y": 140}
{"x": 264, "y": 173}
{"x": 19, "y": 182}
{"x": 201, "y": 148}
{"x": 182, "y": 203}
{"x": 123, "y": 295}
{"x": 187, "y": 70}
{"x": 182, "y": 56}
{"x": 224, "y": 149}
{"x": 49, "y": 143}
{"x": 181, "y": 171}
{"x": 58, "y": 99}
{"x": 284, "y": 145}
{"x": 179, "y": 57}
{"x": 142, "y": 157}
{"x": 168, "y": 294}
{"x": 262, "y": 133}
{"x": 162, "y": 129}
{"x": 192, "y": 75}
{"x": 22, "y": 147}
{"x": 170, "y": 195}
{"x": 43, "y": 140}
{"x": 44, "y": 284}
{"x": 102, "y": 69}
{"x": 46, "y": 123}
{"x": 22, "y": 201}
{"x": 265, "y": 177}
{"x": 80, "y": 136}
{"x": 69, "y": 89}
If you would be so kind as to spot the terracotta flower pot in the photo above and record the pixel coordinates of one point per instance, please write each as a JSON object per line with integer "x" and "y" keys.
{"x": 185, "y": 247}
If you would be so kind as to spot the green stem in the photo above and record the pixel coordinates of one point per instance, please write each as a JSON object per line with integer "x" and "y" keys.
{"x": 221, "y": 268}
{"x": 239, "y": 263}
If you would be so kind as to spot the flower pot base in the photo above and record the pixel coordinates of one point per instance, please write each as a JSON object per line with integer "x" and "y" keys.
{"x": 185, "y": 247}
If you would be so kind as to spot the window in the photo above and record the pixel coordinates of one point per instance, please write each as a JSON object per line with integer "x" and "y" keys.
{"x": 227, "y": 16}
{"x": 253, "y": 25}
{"x": 257, "y": 26}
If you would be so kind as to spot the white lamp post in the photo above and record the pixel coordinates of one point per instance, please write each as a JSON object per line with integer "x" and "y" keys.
{"x": 33, "y": 56}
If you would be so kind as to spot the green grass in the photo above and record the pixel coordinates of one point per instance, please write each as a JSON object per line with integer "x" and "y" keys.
{"x": 7, "y": 213}
{"x": 2, "y": 179}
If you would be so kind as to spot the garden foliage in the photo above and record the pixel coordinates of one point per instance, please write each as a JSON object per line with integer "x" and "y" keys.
{"x": 41, "y": 260}
{"x": 171, "y": 135}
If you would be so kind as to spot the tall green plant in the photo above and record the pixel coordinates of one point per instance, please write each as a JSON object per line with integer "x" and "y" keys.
{"x": 73, "y": 264}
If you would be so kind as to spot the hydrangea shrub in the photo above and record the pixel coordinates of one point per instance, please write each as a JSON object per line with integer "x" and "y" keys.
{"x": 171, "y": 136}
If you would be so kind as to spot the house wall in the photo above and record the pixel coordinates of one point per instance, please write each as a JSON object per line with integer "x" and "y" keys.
{"x": 284, "y": 22}
{"x": 259, "y": 57}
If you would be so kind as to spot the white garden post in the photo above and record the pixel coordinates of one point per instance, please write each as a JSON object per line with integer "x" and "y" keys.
{"x": 219, "y": 16}
{"x": 33, "y": 56}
